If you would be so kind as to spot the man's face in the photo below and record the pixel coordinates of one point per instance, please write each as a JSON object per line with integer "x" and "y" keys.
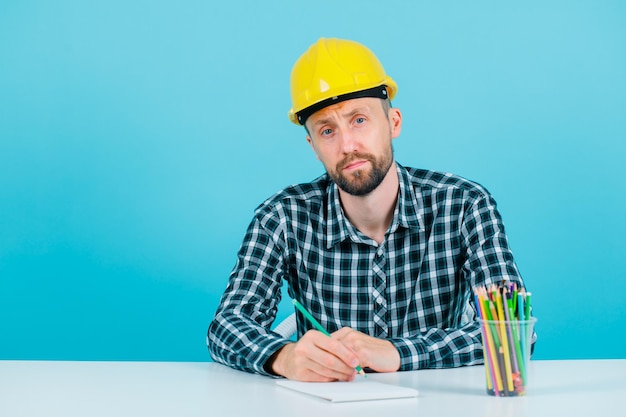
{"x": 353, "y": 141}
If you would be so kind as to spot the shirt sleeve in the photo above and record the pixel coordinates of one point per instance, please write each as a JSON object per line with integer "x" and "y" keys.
{"x": 441, "y": 348}
{"x": 239, "y": 335}
{"x": 487, "y": 260}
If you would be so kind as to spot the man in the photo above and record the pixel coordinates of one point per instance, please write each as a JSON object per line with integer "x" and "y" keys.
{"x": 384, "y": 257}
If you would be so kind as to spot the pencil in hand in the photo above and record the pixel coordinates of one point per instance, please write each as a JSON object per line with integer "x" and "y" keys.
{"x": 318, "y": 326}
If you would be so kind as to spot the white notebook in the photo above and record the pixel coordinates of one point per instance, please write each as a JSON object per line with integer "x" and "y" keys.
{"x": 358, "y": 390}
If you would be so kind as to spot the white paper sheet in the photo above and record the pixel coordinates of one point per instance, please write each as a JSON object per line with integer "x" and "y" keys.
{"x": 359, "y": 390}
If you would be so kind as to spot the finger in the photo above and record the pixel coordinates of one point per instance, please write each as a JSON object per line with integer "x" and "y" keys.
{"x": 330, "y": 358}
{"x": 339, "y": 350}
{"x": 313, "y": 360}
{"x": 328, "y": 365}
{"x": 325, "y": 373}
{"x": 341, "y": 333}
{"x": 378, "y": 354}
{"x": 353, "y": 341}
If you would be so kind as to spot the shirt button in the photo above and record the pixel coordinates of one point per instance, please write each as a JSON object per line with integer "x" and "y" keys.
{"x": 379, "y": 300}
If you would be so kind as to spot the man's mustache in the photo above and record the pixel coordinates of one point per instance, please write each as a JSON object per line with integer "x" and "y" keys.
{"x": 353, "y": 157}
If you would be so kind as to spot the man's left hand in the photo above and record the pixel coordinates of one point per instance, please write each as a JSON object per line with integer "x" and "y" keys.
{"x": 377, "y": 354}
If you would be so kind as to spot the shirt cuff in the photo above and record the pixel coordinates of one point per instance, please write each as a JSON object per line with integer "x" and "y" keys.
{"x": 267, "y": 355}
{"x": 413, "y": 354}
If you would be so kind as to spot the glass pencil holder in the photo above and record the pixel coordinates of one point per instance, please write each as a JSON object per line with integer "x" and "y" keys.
{"x": 506, "y": 351}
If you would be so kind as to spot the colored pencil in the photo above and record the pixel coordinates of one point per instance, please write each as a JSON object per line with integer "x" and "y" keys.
{"x": 489, "y": 369}
{"x": 505, "y": 341}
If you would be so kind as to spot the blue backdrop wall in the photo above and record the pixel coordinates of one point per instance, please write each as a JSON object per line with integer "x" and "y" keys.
{"x": 137, "y": 137}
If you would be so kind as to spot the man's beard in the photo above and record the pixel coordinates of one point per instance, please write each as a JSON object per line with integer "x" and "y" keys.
{"x": 361, "y": 182}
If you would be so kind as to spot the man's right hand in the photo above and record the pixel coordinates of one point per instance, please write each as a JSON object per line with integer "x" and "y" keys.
{"x": 316, "y": 358}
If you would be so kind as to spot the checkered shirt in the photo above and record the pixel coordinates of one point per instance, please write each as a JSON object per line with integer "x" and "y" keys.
{"x": 414, "y": 289}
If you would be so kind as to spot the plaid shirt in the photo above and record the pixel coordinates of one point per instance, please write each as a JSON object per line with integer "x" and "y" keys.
{"x": 415, "y": 289}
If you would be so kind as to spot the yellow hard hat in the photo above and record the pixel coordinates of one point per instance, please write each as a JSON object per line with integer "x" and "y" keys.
{"x": 334, "y": 70}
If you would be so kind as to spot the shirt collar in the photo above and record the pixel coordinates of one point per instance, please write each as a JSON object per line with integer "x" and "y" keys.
{"x": 410, "y": 208}
{"x": 406, "y": 213}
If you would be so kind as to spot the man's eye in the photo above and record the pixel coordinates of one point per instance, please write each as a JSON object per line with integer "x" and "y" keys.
{"x": 359, "y": 120}
{"x": 326, "y": 132}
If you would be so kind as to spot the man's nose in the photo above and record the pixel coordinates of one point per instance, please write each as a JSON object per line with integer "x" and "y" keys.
{"x": 349, "y": 141}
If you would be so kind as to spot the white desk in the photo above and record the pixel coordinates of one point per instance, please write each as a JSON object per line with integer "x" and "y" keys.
{"x": 154, "y": 389}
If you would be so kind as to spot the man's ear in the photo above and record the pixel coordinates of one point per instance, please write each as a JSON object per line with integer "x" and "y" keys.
{"x": 395, "y": 119}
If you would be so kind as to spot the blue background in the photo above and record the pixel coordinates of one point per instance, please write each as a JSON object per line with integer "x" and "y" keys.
{"x": 137, "y": 137}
